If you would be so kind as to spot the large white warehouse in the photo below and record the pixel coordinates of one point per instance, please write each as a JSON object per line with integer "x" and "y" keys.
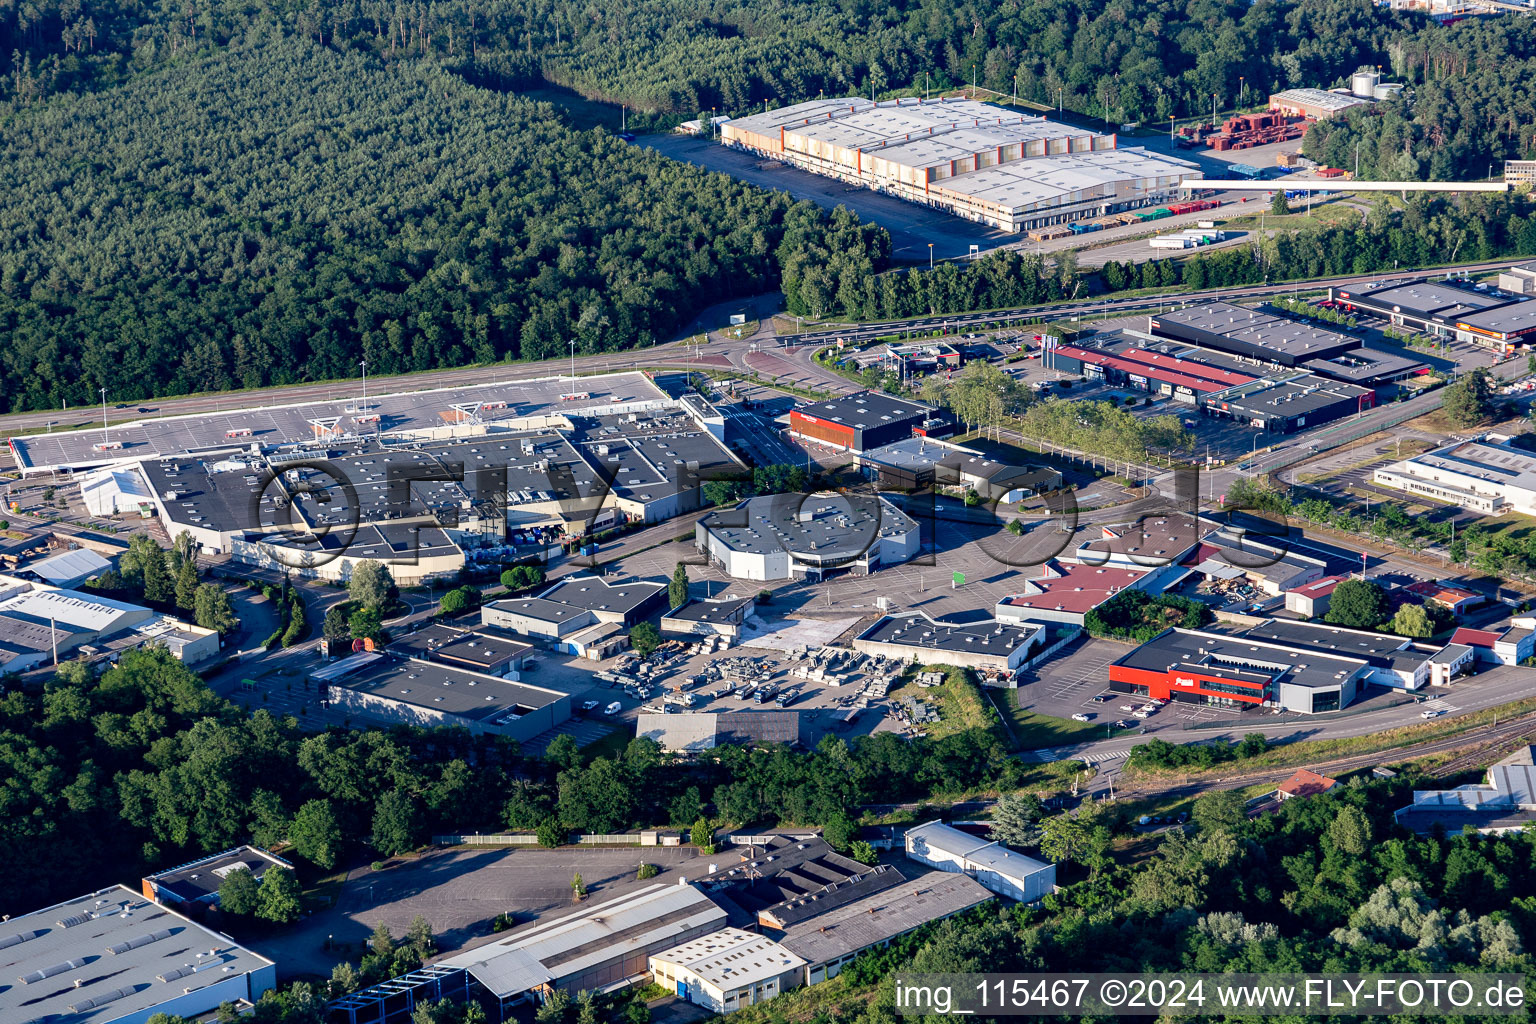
{"x": 1011, "y": 171}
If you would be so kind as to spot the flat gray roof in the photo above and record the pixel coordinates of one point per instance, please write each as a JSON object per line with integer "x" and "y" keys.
{"x": 710, "y": 611}
{"x": 867, "y": 409}
{"x": 921, "y": 633}
{"x": 883, "y": 916}
{"x": 1292, "y": 397}
{"x": 824, "y": 527}
{"x": 1239, "y": 323}
{"x": 289, "y": 424}
{"x": 202, "y": 877}
{"x": 444, "y": 689}
{"x": 127, "y": 955}
{"x": 444, "y": 641}
{"x": 1241, "y": 657}
{"x": 594, "y": 593}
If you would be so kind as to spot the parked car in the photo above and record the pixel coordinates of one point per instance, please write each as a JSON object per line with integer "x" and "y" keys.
{"x": 1080, "y": 717}
{"x": 1122, "y": 724}
{"x": 613, "y": 709}
{"x": 1127, "y": 707}
{"x": 588, "y": 706}
{"x": 1101, "y": 698}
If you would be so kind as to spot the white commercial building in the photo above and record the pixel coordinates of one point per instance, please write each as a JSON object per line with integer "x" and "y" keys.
{"x": 109, "y": 492}
{"x": 727, "y": 970}
{"x": 996, "y": 867}
{"x": 115, "y": 957}
{"x": 784, "y": 536}
{"x": 1009, "y": 170}
{"x": 1487, "y": 475}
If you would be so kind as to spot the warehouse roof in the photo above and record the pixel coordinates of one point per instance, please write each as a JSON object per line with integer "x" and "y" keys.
{"x": 1020, "y": 185}
{"x": 825, "y": 527}
{"x": 732, "y": 958}
{"x": 882, "y": 917}
{"x": 1072, "y": 587}
{"x": 440, "y": 688}
{"x": 68, "y": 567}
{"x": 706, "y": 730}
{"x": 201, "y": 878}
{"x": 1150, "y": 541}
{"x": 109, "y": 954}
{"x": 945, "y": 839}
{"x": 866, "y": 409}
{"x": 1240, "y": 657}
{"x": 439, "y": 641}
{"x": 1432, "y": 299}
{"x": 1319, "y": 636}
{"x": 73, "y": 608}
{"x": 1278, "y": 334}
{"x": 920, "y": 631}
{"x": 711, "y": 611}
{"x": 593, "y": 934}
{"x": 1334, "y": 101}
{"x": 596, "y": 594}
{"x": 1288, "y": 397}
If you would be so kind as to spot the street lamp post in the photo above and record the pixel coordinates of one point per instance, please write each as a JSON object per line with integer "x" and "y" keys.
{"x": 573, "y": 359}
{"x": 930, "y": 255}
{"x": 364, "y": 365}
{"x": 103, "y": 414}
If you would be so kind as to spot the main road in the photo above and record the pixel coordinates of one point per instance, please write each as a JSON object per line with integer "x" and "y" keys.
{"x": 722, "y": 354}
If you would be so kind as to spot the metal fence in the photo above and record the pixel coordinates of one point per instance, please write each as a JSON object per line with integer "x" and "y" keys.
{"x": 1410, "y": 410}
{"x": 494, "y": 839}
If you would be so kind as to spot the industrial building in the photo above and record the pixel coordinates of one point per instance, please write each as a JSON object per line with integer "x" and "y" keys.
{"x": 727, "y": 970}
{"x": 830, "y": 941}
{"x": 1151, "y": 542}
{"x": 1499, "y": 645}
{"x": 1445, "y": 309}
{"x": 197, "y": 882}
{"x": 67, "y": 569}
{"x": 1266, "y": 340}
{"x": 1067, "y": 591}
{"x": 1394, "y": 662}
{"x": 1007, "y": 170}
{"x": 581, "y": 615}
{"x": 869, "y": 419}
{"x": 1312, "y": 599}
{"x": 1488, "y": 475}
{"x": 915, "y": 463}
{"x": 601, "y": 944}
{"x": 1290, "y": 403}
{"x": 39, "y": 623}
{"x": 990, "y": 645}
{"x": 1195, "y": 666}
{"x": 806, "y": 536}
{"x": 715, "y": 617}
{"x": 424, "y": 481}
{"x": 1505, "y": 802}
{"x": 430, "y": 693}
{"x": 483, "y": 652}
{"x": 1318, "y": 104}
{"x": 781, "y": 881}
{"x": 1182, "y": 379}
{"x": 999, "y": 869}
{"x": 115, "y": 957}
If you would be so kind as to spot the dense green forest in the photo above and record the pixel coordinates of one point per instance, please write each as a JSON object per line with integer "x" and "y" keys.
{"x": 214, "y": 196}
{"x": 275, "y": 211}
{"x": 143, "y": 766}
{"x": 1127, "y": 59}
